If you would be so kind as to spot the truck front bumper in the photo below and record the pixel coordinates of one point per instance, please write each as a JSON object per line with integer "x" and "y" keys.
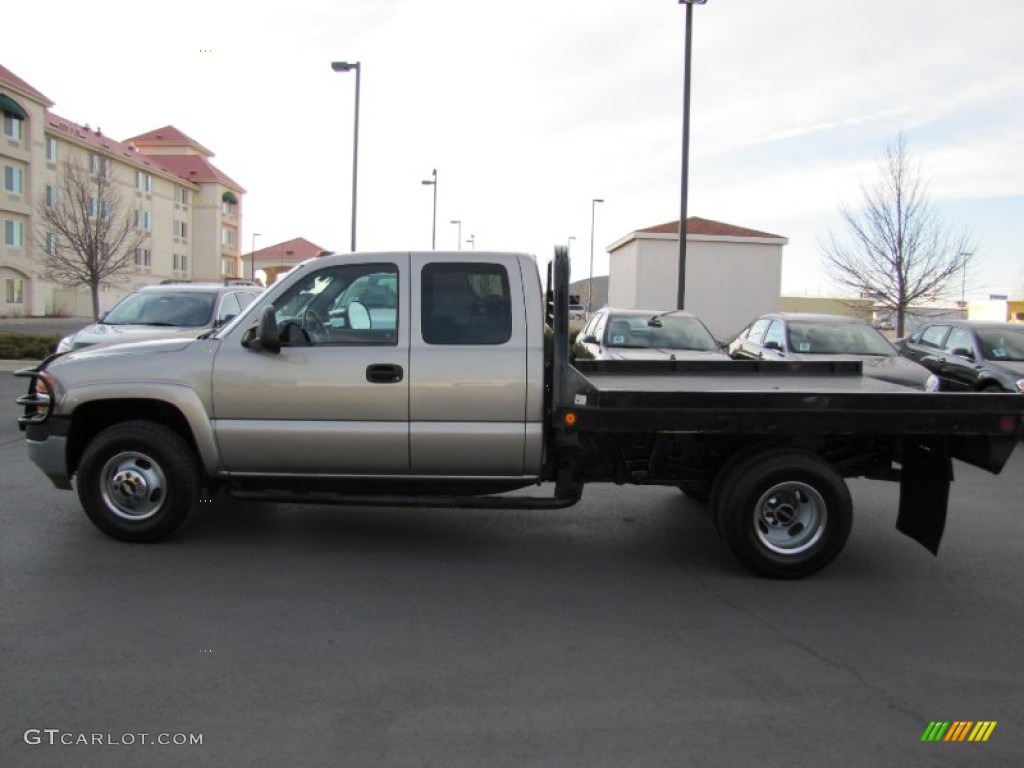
{"x": 47, "y": 448}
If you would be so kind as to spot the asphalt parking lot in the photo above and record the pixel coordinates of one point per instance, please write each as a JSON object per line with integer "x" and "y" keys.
{"x": 616, "y": 633}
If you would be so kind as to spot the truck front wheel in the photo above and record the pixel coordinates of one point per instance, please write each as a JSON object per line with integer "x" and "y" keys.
{"x": 784, "y": 513}
{"x": 138, "y": 481}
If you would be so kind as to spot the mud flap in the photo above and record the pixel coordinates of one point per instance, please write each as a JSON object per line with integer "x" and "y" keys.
{"x": 924, "y": 495}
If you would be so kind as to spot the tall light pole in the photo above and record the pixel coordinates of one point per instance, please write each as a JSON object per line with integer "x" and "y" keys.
{"x": 432, "y": 182}
{"x": 252, "y": 257}
{"x": 684, "y": 186}
{"x": 345, "y": 66}
{"x": 966, "y": 256}
{"x": 472, "y": 242}
{"x": 458, "y": 240}
{"x": 590, "y": 282}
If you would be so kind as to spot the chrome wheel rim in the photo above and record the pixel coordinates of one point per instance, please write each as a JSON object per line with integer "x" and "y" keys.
{"x": 133, "y": 486}
{"x": 790, "y": 518}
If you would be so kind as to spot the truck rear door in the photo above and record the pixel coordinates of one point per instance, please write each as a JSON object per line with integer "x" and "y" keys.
{"x": 468, "y": 366}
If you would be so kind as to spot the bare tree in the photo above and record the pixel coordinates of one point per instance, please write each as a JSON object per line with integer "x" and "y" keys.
{"x": 897, "y": 248}
{"x": 87, "y": 233}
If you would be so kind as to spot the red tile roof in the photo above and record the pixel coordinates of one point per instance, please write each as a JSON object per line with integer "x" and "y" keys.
{"x": 295, "y": 250}
{"x": 94, "y": 137}
{"x": 196, "y": 169}
{"x": 6, "y": 76}
{"x": 168, "y": 136}
{"x": 698, "y": 226}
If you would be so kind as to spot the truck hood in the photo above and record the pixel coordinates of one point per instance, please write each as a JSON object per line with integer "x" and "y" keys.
{"x": 101, "y": 352}
{"x": 100, "y": 333}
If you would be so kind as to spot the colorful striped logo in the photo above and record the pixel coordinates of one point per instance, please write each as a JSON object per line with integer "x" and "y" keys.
{"x": 959, "y": 730}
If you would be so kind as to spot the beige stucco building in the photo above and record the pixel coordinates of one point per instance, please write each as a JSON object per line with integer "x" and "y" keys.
{"x": 733, "y": 273}
{"x": 191, "y": 211}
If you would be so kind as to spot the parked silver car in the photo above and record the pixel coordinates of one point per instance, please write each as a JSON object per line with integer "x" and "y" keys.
{"x": 804, "y": 336}
{"x": 165, "y": 311}
{"x": 646, "y": 334}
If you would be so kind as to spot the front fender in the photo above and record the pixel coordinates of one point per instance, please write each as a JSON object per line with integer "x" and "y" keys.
{"x": 128, "y": 396}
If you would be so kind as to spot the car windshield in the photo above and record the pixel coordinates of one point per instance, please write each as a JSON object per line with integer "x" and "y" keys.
{"x": 809, "y": 337}
{"x": 1002, "y": 344}
{"x": 660, "y": 332}
{"x": 185, "y": 309}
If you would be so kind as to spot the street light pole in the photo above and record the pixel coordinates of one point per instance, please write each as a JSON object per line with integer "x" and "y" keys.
{"x": 472, "y": 242}
{"x": 344, "y": 66}
{"x": 432, "y": 182}
{"x": 684, "y": 186}
{"x": 458, "y": 240}
{"x": 590, "y": 282}
{"x": 252, "y": 257}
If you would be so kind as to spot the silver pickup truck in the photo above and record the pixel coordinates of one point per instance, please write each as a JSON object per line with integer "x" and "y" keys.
{"x": 443, "y": 379}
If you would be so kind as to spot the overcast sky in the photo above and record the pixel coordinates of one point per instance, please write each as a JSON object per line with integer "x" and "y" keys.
{"x": 530, "y": 109}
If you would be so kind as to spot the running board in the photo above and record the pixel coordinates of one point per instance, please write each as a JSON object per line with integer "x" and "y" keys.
{"x": 397, "y": 500}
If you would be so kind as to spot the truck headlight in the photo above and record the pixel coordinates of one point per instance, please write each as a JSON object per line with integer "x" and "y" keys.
{"x": 931, "y": 384}
{"x": 65, "y": 344}
{"x": 1020, "y": 385}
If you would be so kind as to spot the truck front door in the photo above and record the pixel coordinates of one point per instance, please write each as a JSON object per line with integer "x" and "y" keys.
{"x": 335, "y": 399}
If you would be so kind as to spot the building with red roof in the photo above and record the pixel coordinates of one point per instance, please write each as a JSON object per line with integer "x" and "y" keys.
{"x": 188, "y": 209}
{"x": 275, "y": 260}
{"x": 733, "y": 273}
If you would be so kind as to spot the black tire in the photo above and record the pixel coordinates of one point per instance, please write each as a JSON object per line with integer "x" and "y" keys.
{"x": 138, "y": 481}
{"x": 784, "y": 513}
{"x": 992, "y": 388}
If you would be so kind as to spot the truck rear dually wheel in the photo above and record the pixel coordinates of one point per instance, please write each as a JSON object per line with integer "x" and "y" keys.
{"x": 784, "y": 513}
{"x": 138, "y": 481}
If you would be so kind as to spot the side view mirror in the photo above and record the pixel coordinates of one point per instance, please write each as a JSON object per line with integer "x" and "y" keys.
{"x": 966, "y": 354}
{"x": 773, "y": 345}
{"x": 265, "y": 335}
{"x": 224, "y": 320}
{"x": 589, "y": 339}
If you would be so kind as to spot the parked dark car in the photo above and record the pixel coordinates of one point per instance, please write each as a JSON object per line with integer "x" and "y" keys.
{"x": 646, "y": 334}
{"x": 801, "y": 336}
{"x": 970, "y": 355}
{"x": 165, "y": 310}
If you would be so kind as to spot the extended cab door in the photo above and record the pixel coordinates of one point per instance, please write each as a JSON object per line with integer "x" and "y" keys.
{"x": 335, "y": 399}
{"x": 468, "y": 366}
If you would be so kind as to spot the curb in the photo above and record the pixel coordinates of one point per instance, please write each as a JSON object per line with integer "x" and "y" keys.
{"x": 10, "y": 366}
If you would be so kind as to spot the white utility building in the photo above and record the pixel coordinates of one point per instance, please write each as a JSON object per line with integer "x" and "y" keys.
{"x": 733, "y": 273}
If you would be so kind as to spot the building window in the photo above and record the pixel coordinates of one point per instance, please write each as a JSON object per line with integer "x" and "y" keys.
{"x": 14, "y": 233}
{"x": 51, "y": 149}
{"x": 227, "y": 267}
{"x": 51, "y": 195}
{"x": 180, "y": 262}
{"x": 181, "y": 195}
{"x": 12, "y": 127}
{"x": 181, "y": 229}
{"x": 143, "y": 220}
{"x": 228, "y": 208}
{"x": 143, "y": 258}
{"x": 227, "y": 236}
{"x": 14, "y": 291}
{"x": 144, "y": 182}
{"x": 51, "y": 243}
{"x": 99, "y": 165}
{"x": 13, "y": 179}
